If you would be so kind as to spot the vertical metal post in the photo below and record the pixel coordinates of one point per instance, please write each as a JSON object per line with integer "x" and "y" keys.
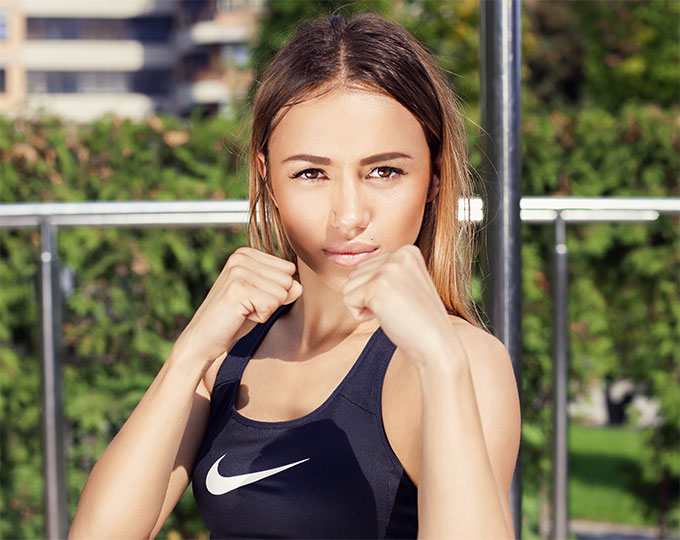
{"x": 500, "y": 73}
{"x": 56, "y": 517}
{"x": 561, "y": 359}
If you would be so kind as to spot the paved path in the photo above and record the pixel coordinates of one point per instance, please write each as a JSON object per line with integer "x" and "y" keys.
{"x": 591, "y": 530}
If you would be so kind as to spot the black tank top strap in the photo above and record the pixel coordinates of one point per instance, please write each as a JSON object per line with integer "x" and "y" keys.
{"x": 365, "y": 388}
{"x": 233, "y": 365}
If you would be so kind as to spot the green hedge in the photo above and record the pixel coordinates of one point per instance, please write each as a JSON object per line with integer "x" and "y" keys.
{"x": 136, "y": 289}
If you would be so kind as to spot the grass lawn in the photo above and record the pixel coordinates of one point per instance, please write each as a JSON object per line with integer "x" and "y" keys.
{"x": 602, "y": 473}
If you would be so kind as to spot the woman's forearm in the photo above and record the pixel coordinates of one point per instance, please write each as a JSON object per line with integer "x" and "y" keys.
{"x": 458, "y": 494}
{"x": 124, "y": 493}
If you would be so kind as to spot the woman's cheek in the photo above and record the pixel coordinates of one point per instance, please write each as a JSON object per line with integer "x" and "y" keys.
{"x": 402, "y": 216}
{"x": 303, "y": 220}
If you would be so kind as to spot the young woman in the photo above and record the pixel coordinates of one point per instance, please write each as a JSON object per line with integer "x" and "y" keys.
{"x": 359, "y": 397}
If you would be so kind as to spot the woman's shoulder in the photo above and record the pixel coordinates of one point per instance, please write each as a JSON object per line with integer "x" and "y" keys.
{"x": 211, "y": 374}
{"x": 479, "y": 344}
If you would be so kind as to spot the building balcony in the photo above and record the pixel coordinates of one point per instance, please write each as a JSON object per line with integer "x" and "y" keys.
{"x": 202, "y": 92}
{"x": 94, "y": 55}
{"x": 90, "y": 8}
{"x": 212, "y": 32}
{"x": 83, "y": 107}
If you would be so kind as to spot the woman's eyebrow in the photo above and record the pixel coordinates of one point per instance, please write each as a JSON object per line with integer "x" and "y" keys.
{"x": 319, "y": 160}
{"x": 383, "y": 157}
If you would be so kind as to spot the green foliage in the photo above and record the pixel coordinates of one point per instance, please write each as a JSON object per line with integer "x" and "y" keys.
{"x": 135, "y": 289}
{"x": 602, "y": 53}
{"x": 450, "y": 30}
{"x": 600, "y": 118}
{"x": 623, "y": 293}
{"x": 603, "y": 467}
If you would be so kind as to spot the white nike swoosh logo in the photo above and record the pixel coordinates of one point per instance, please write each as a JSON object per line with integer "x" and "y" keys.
{"x": 219, "y": 485}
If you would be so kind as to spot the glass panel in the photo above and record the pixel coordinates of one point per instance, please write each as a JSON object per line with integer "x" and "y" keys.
{"x": 149, "y": 29}
{"x": 152, "y": 82}
{"x": 62, "y": 82}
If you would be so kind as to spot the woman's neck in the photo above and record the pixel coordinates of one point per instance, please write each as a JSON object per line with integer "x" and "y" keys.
{"x": 320, "y": 317}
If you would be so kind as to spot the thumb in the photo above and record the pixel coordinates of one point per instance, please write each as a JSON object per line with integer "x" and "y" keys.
{"x": 294, "y": 292}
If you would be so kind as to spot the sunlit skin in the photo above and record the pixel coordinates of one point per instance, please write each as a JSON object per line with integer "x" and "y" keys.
{"x": 351, "y": 166}
{"x": 350, "y": 193}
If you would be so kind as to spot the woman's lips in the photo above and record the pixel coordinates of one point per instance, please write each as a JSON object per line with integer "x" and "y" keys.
{"x": 349, "y": 258}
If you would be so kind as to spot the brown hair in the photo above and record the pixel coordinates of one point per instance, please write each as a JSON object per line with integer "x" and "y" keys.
{"x": 367, "y": 50}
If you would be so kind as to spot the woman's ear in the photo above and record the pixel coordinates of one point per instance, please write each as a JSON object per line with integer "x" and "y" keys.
{"x": 433, "y": 190}
{"x": 262, "y": 169}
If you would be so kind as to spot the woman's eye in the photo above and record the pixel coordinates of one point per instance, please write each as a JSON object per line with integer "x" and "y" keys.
{"x": 386, "y": 173}
{"x": 309, "y": 174}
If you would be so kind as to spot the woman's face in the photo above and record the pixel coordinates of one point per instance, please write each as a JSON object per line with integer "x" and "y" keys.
{"x": 350, "y": 175}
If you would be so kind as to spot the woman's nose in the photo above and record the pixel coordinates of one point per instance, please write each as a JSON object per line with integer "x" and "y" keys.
{"x": 349, "y": 212}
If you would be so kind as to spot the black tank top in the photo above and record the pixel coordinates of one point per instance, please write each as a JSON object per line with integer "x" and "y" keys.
{"x": 328, "y": 474}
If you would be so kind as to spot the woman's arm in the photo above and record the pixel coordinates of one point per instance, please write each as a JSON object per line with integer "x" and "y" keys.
{"x": 470, "y": 410}
{"x": 145, "y": 469}
{"x": 470, "y": 438}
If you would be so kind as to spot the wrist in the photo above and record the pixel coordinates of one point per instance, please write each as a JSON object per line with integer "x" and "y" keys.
{"x": 186, "y": 364}
{"x": 445, "y": 358}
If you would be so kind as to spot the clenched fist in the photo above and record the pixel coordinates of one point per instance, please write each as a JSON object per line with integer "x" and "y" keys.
{"x": 252, "y": 285}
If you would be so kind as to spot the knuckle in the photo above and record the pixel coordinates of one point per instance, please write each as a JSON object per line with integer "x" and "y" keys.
{"x": 266, "y": 307}
{"x": 287, "y": 281}
{"x": 290, "y": 268}
{"x": 235, "y": 259}
{"x": 281, "y": 295}
{"x": 237, "y": 271}
{"x": 237, "y": 286}
{"x": 243, "y": 250}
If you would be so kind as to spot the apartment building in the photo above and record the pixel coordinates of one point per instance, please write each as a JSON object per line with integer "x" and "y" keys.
{"x": 82, "y": 58}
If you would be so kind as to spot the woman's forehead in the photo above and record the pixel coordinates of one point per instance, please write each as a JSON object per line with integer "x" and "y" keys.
{"x": 347, "y": 120}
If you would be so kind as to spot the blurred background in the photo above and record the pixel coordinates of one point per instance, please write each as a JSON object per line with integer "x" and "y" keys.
{"x": 150, "y": 100}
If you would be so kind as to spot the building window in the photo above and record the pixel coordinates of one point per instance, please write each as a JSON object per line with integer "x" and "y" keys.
{"x": 104, "y": 82}
{"x": 2, "y": 80}
{"x": 3, "y": 24}
{"x": 150, "y": 82}
{"x": 48, "y": 28}
{"x": 62, "y": 82}
{"x": 103, "y": 29}
{"x": 145, "y": 29}
{"x": 149, "y": 29}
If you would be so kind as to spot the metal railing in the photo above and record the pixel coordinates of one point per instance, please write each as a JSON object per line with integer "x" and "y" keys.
{"x": 51, "y": 216}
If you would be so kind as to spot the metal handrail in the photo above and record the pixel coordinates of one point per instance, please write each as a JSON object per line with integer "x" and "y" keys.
{"x": 235, "y": 212}
{"x": 50, "y": 216}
